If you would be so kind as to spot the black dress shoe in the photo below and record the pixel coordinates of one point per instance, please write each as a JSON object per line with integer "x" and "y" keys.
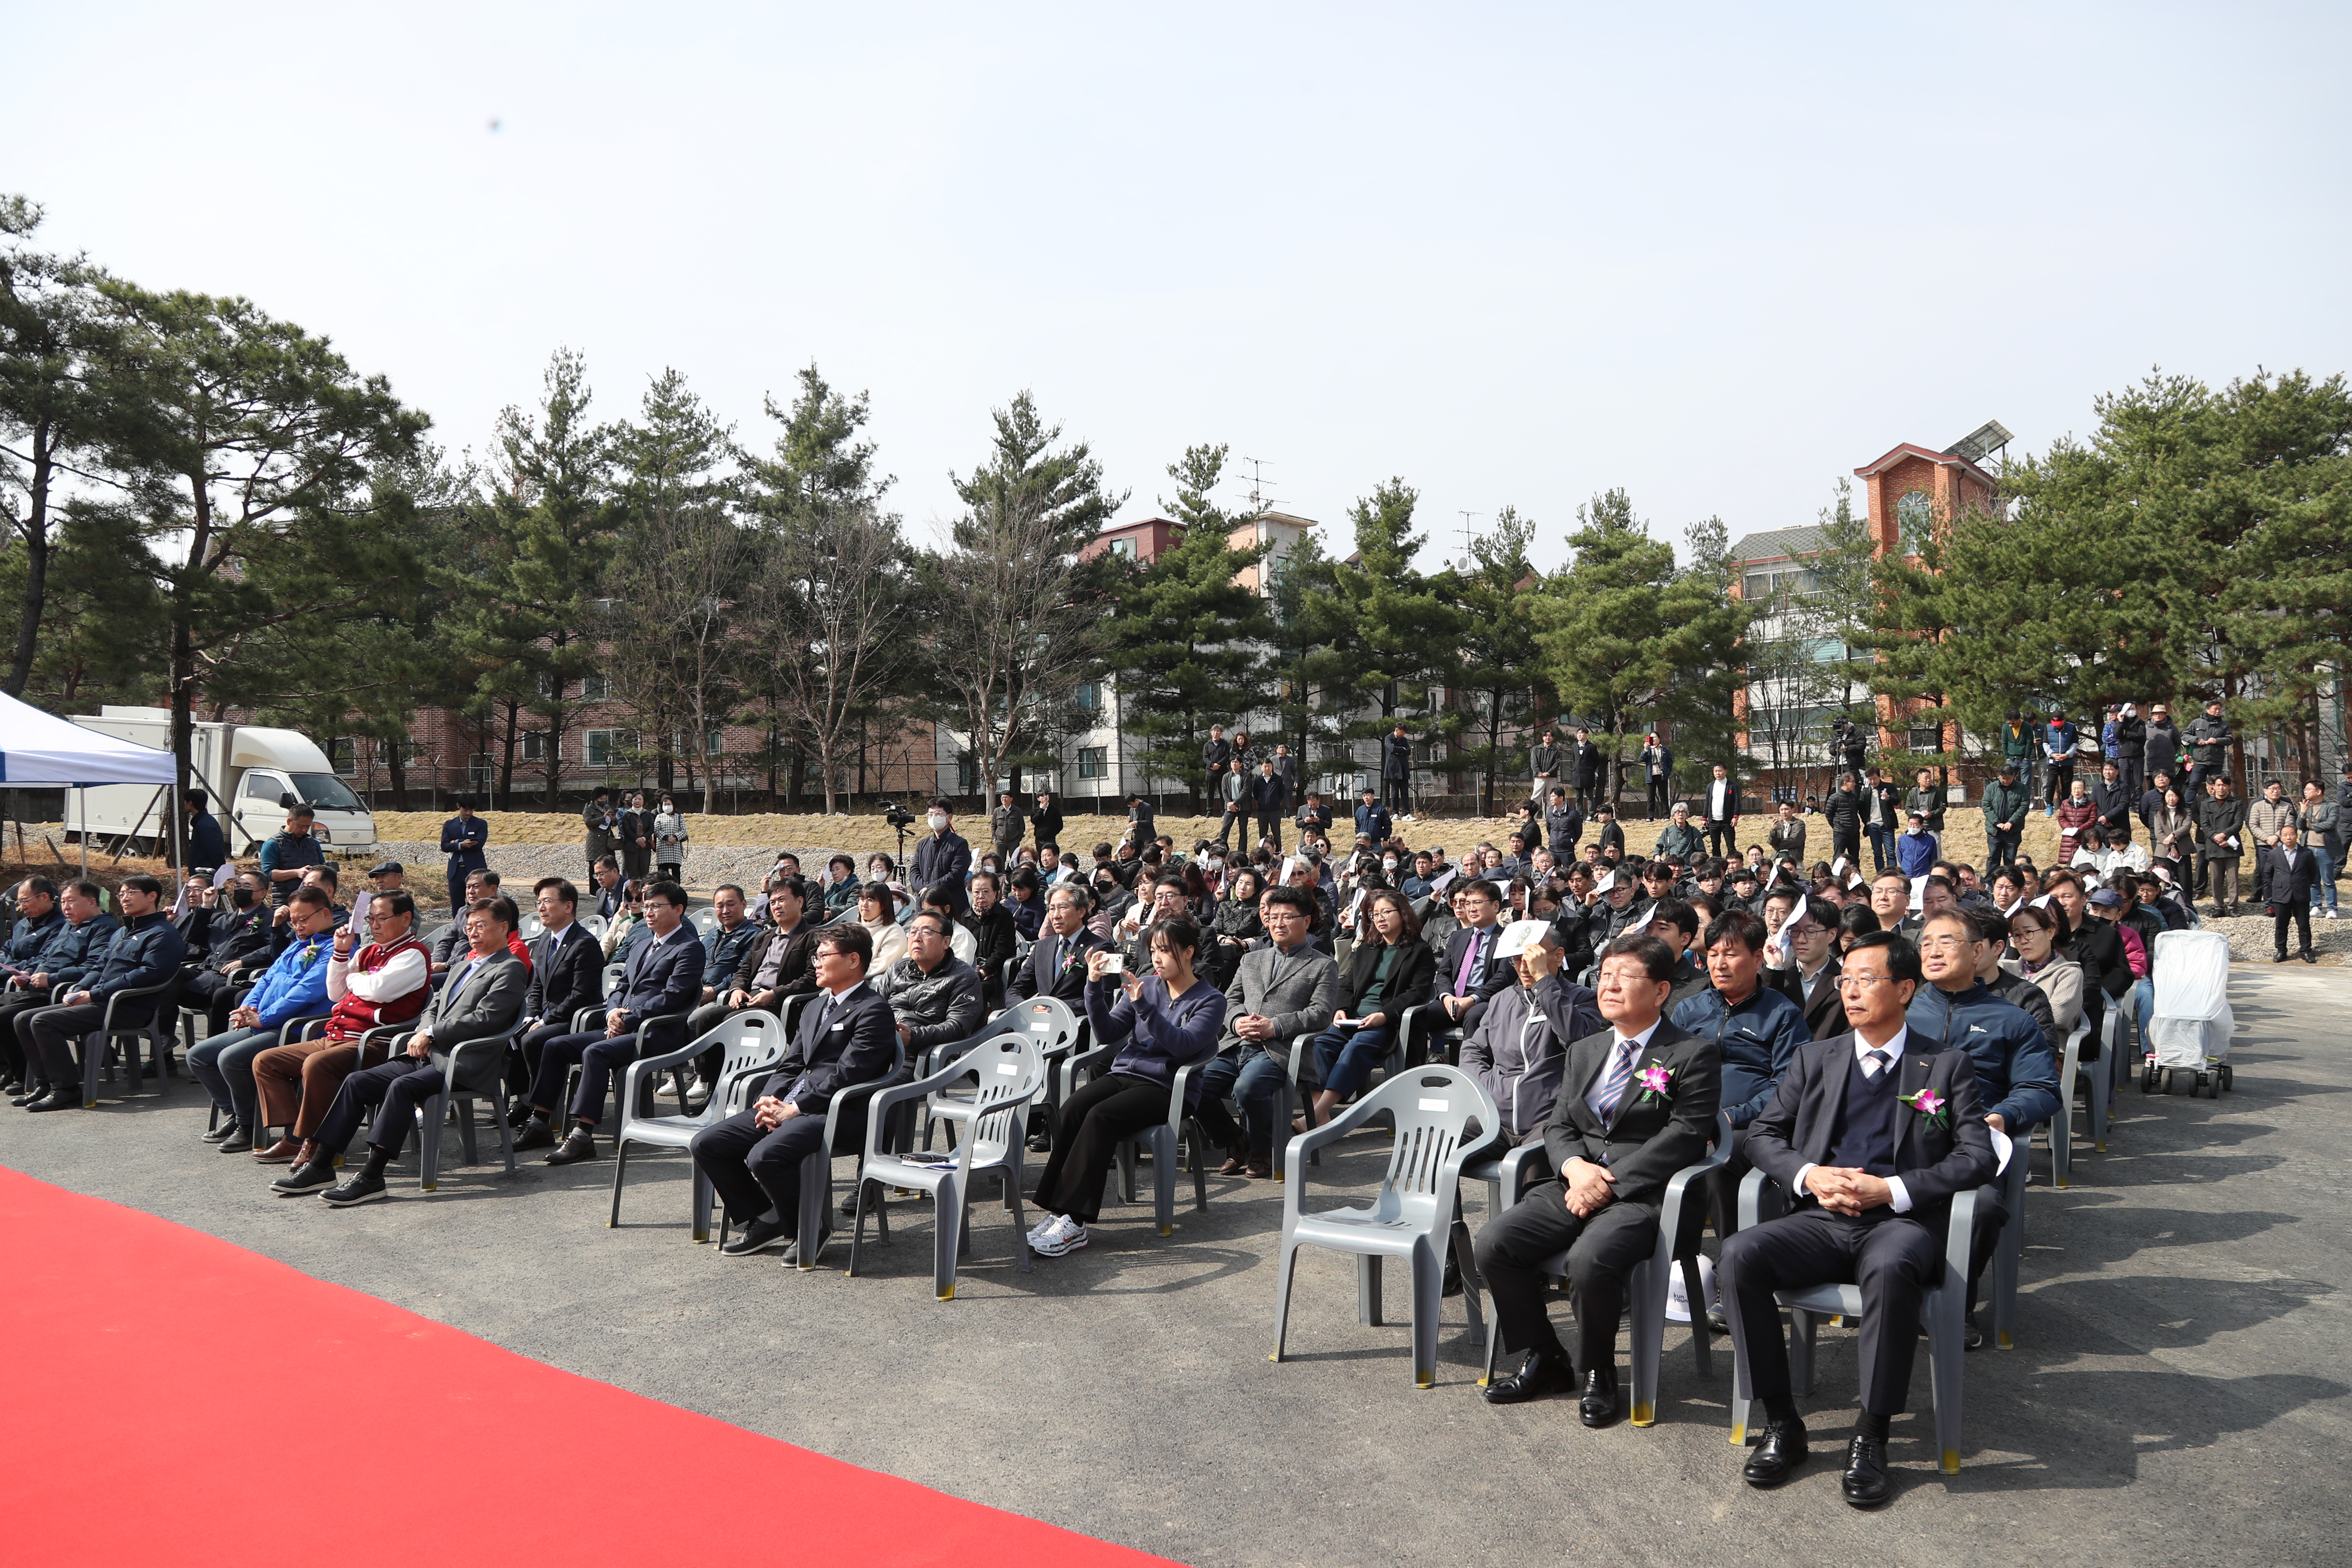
{"x": 1775, "y": 1459}
{"x": 1597, "y": 1405}
{"x": 38, "y": 1091}
{"x": 361, "y": 1188}
{"x": 58, "y": 1099}
{"x": 756, "y": 1237}
{"x": 1451, "y": 1283}
{"x": 225, "y": 1130}
{"x": 1865, "y": 1481}
{"x": 316, "y": 1177}
{"x": 238, "y": 1141}
{"x": 578, "y": 1144}
{"x": 1538, "y": 1375}
{"x": 536, "y": 1135}
{"x": 793, "y": 1253}
{"x": 518, "y": 1115}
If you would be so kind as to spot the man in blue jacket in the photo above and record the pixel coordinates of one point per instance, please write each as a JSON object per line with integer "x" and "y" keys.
{"x": 1372, "y": 819}
{"x": 74, "y": 947}
{"x": 293, "y": 986}
{"x": 146, "y": 952}
{"x": 2016, "y": 1072}
{"x": 462, "y": 837}
{"x": 663, "y": 980}
{"x": 288, "y": 852}
{"x": 942, "y": 857}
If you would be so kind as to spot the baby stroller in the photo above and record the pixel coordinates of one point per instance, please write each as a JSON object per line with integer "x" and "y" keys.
{"x": 2189, "y": 1034}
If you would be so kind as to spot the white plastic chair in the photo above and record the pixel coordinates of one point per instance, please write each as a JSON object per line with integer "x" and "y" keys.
{"x": 705, "y": 921}
{"x": 750, "y": 1043}
{"x": 1007, "y": 1070}
{"x": 2096, "y": 1080}
{"x": 1431, "y": 1108}
{"x": 1179, "y": 1129}
{"x": 1943, "y": 1312}
{"x": 472, "y": 1071}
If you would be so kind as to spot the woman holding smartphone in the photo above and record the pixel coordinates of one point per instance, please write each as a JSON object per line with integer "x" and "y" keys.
{"x": 1171, "y": 1018}
{"x": 1389, "y": 969}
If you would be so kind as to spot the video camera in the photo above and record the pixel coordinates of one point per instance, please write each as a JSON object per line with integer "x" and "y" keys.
{"x": 898, "y": 815}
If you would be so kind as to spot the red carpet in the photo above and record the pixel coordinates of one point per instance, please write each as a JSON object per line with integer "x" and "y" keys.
{"x": 158, "y": 1374}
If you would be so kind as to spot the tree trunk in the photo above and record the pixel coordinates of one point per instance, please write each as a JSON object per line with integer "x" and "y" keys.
{"x": 36, "y": 565}
{"x": 397, "y": 766}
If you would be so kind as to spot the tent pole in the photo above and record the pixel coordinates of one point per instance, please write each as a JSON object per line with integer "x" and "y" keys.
{"x": 82, "y": 794}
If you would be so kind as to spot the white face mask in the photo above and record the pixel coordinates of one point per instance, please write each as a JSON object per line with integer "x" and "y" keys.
{"x": 938, "y": 820}
{"x": 1388, "y": 864}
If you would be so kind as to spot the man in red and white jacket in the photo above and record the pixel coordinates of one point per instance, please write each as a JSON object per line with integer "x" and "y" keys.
{"x": 386, "y": 982}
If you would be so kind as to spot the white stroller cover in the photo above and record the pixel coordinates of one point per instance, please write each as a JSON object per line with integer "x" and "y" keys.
{"x": 2192, "y": 1023}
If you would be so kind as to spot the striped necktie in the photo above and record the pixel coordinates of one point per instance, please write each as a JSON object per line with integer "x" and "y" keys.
{"x": 1879, "y": 1062}
{"x": 1615, "y": 1082}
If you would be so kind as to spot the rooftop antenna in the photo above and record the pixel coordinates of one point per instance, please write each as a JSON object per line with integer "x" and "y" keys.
{"x": 1257, "y": 498}
{"x": 1469, "y": 557}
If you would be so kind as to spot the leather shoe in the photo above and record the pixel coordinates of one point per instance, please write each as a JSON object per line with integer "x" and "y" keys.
{"x": 793, "y": 1253}
{"x": 60, "y": 1099}
{"x": 578, "y": 1144}
{"x": 1538, "y": 1375}
{"x": 38, "y": 1091}
{"x": 236, "y": 1143}
{"x": 1865, "y": 1481}
{"x": 537, "y": 1135}
{"x": 518, "y": 1115}
{"x": 756, "y": 1237}
{"x": 281, "y": 1152}
{"x": 1450, "y": 1283}
{"x": 1775, "y": 1459}
{"x": 221, "y": 1133}
{"x": 1597, "y": 1405}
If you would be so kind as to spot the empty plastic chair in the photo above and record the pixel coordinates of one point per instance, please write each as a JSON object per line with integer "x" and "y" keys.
{"x": 750, "y": 1044}
{"x": 1006, "y": 1070}
{"x": 1943, "y": 1313}
{"x": 1431, "y": 1108}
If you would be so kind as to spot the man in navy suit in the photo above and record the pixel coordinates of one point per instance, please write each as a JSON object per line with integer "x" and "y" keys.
{"x": 462, "y": 837}
{"x": 567, "y": 974}
{"x": 847, "y": 1036}
{"x": 1469, "y": 974}
{"x": 1872, "y": 1134}
{"x": 1056, "y": 965}
{"x": 663, "y": 977}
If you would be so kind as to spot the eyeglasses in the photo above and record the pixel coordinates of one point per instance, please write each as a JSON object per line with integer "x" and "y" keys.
{"x": 1861, "y": 981}
{"x": 1943, "y": 943}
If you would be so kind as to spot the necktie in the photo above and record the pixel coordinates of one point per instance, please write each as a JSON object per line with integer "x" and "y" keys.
{"x": 1615, "y": 1082}
{"x": 1469, "y": 963}
{"x": 1878, "y": 1060}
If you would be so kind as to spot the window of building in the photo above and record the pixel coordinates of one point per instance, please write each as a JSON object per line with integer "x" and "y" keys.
{"x": 1093, "y": 761}
{"x": 603, "y": 747}
{"x": 534, "y": 745}
{"x": 1776, "y": 585}
{"x": 1089, "y": 697}
{"x": 1915, "y": 520}
{"x": 596, "y": 687}
{"x": 344, "y": 754}
{"x": 714, "y": 743}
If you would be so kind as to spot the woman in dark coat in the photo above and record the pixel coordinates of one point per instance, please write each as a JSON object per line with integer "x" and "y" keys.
{"x": 1387, "y": 972}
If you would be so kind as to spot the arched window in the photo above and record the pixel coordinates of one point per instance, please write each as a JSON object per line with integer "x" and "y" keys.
{"x": 1914, "y": 519}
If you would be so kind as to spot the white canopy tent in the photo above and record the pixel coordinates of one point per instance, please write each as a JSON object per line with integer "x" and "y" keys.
{"x": 40, "y": 749}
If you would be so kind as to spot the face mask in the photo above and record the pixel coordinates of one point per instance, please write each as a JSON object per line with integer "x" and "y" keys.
{"x": 1388, "y": 864}
{"x": 245, "y": 899}
{"x": 938, "y": 821}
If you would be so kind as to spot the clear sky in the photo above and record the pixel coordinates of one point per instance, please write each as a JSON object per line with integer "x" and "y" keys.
{"x": 1719, "y": 256}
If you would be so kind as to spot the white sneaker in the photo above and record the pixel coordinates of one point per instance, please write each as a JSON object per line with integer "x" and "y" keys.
{"x": 1065, "y": 1235}
{"x": 1037, "y": 1232}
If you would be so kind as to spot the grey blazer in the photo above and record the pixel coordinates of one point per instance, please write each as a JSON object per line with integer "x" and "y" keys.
{"x": 488, "y": 1003}
{"x": 1299, "y": 998}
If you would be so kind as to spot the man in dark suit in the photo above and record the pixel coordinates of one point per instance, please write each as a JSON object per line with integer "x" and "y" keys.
{"x": 1270, "y": 797}
{"x": 1637, "y": 1104}
{"x": 1469, "y": 974}
{"x": 1056, "y": 965}
{"x": 846, "y": 1036}
{"x": 567, "y": 974}
{"x": 482, "y": 999}
{"x": 462, "y": 837}
{"x": 1584, "y": 758}
{"x": 1874, "y": 1132}
{"x": 2293, "y": 869}
{"x": 664, "y": 980}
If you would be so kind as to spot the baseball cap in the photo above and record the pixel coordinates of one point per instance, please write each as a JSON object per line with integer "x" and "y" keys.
{"x": 2107, "y": 898}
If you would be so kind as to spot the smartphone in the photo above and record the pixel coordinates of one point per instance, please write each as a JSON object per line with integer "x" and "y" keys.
{"x": 1114, "y": 964}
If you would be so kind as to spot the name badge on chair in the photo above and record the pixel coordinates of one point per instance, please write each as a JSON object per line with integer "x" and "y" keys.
{"x": 1010, "y": 1069}
{"x": 1435, "y": 1104}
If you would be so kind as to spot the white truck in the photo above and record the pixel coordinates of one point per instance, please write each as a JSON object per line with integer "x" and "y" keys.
{"x": 251, "y": 772}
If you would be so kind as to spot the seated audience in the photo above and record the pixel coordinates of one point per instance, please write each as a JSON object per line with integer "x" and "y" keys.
{"x": 1280, "y": 991}
{"x": 385, "y": 982}
{"x": 293, "y": 986}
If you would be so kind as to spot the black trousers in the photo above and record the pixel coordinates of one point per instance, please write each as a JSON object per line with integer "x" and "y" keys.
{"x": 522, "y": 1064}
{"x": 399, "y": 1086}
{"x": 1235, "y": 815}
{"x": 1848, "y": 843}
{"x": 1600, "y": 1250}
{"x": 1722, "y": 839}
{"x": 752, "y": 1169}
{"x": 1893, "y": 1258}
{"x": 2299, "y": 913}
{"x": 1086, "y": 1140}
{"x": 217, "y": 995}
{"x": 598, "y": 1060}
{"x": 1269, "y": 825}
{"x": 2061, "y": 782}
{"x": 14, "y": 1046}
{"x": 1401, "y": 794}
{"x": 1659, "y": 790}
{"x": 56, "y": 1031}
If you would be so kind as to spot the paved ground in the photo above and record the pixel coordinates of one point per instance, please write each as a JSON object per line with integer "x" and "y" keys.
{"x": 2181, "y": 1392}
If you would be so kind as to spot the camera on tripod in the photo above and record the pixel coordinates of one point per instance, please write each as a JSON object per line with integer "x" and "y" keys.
{"x": 898, "y": 815}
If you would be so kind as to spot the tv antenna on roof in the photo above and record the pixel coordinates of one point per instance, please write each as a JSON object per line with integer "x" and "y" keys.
{"x": 1469, "y": 557}
{"x": 1257, "y": 498}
